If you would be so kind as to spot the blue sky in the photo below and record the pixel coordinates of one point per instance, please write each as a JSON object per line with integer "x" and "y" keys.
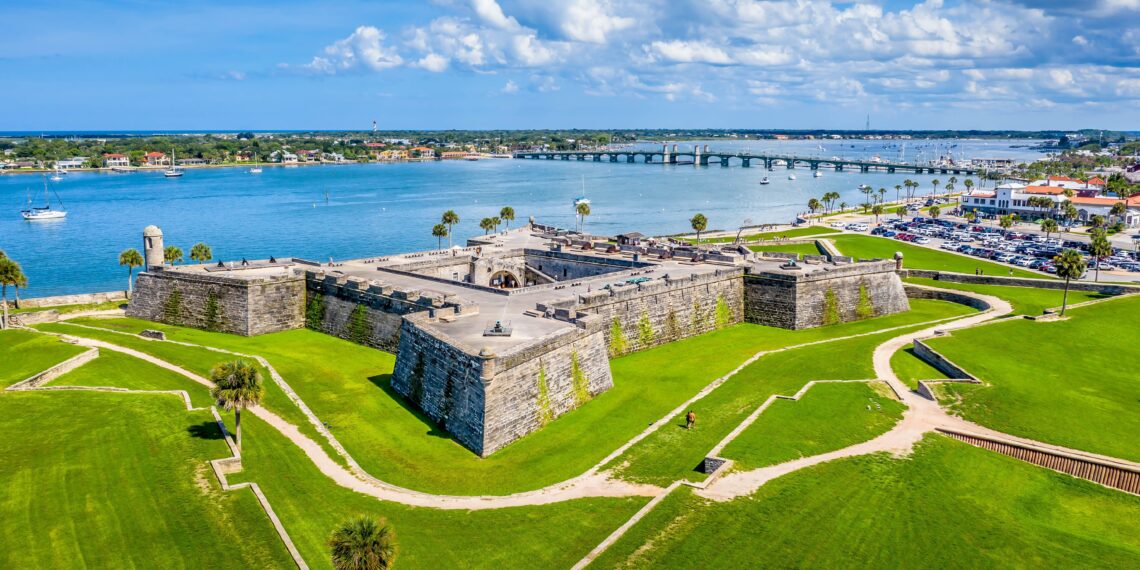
{"x": 1029, "y": 64}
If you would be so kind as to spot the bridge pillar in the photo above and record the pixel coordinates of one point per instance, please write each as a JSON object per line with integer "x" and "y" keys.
{"x": 814, "y": 165}
{"x": 665, "y": 158}
{"x": 891, "y": 169}
{"x": 839, "y": 168}
{"x": 581, "y": 157}
{"x": 791, "y": 163}
{"x": 550, "y": 157}
{"x": 864, "y": 168}
{"x": 704, "y": 160}
{"x": 613, "y": 157}
{"x": 698, "y": 160}
{"x": 565, "y": 157}
{"x": 724, "y": 161}
{"x": 630, "y": 157}
{"x": 768, "y": 163}
{"x": 745, "y": 162}
{"x": 648, "y": 158}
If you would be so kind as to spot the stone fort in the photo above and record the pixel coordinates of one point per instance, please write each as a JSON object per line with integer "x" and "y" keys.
{"x": 498, "y": 338}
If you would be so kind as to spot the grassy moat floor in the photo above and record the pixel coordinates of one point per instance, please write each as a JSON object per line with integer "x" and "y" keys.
{"x": 117, "y": 479}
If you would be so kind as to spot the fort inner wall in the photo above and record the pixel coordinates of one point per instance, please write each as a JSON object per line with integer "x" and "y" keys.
{"x": 226, "y": 304}
{"x": 1102, "y": 288}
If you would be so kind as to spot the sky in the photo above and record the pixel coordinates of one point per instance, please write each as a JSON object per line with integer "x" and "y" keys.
{"x": 513, "y": 64}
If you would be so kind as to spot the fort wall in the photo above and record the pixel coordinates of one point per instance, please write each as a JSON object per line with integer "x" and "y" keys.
{"x": 834, "y": 294}
{"x": 235, "y": 305}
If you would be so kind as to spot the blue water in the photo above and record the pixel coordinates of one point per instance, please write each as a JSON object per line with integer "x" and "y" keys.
{"x": 374, "y": 209}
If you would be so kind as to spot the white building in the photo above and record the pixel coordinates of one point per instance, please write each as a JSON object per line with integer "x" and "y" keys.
{"x": 1013, "y": 198}
{"x": 73, "y": 162}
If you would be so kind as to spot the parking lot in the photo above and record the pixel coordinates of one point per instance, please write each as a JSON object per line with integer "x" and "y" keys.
{"x": 1028, "y": 251}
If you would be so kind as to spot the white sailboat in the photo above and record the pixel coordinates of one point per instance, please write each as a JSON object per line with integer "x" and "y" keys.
{"x": 817, "y": 174}
{"x": 173, "y": 171}
{"x": 256, "y": 168}
{"x": 765, "y": 180}
{"x": 791, "y": 177}
{"x": 36, "y": 213}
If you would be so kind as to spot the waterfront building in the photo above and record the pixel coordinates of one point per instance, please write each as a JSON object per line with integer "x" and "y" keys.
{"x": 73, "y": 162}
{"x": 156, "y": 159}
{"x": 115, "y": 160}
{"x": 1014, "y": 198}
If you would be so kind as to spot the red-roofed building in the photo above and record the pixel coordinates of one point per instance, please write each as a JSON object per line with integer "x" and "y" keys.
{"x": 112, "y": 160}
{"x": 156, "y": 159}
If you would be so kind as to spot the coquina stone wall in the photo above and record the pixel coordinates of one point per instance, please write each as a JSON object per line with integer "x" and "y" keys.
{"x": 368, "y": 312}
{"x": 839, "y": 293}
{"x": 487, "y": 400}
{"x": 644, "y": 315}
{"x": 240, "y": 306}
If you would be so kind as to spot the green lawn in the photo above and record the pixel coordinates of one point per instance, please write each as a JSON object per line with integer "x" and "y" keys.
{"x": 24, "y": 353}
{"x": 310, "y": 506}
{"x": 910, "y": 368}
{"x": 64, "y": 309}
{"x": 1025, "y": 300}
{"x": 800, "y": 248}
{"x": 788, "y": 233}
{"x": 193, "y": 359}
{"x": 948, "y": 504}
{"x": 1071, "y": 382}
{"x": 123, "y": 371}
{"x": 918, "y": 257}
{"x": 673, "y": 452}
{"x": 826, "y": 418}
{"x": 347, "y": 386}
{"x": 104, "y": 480}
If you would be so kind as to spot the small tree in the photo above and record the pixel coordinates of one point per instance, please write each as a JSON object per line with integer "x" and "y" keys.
{"x": 508, "y": 215}
{"x": 237, "y": 385}
{"x": 201, "y": 252}
{"x": 1070, "y": 265}
{"x": 172, "y": 254}
{"x": 699, "y": 222}
{"x": 1118, "y": 210}
{"x": 935, "y": 211}
{"x": 583, "y": 210}
{"x": 486, "y": 224}
{"x": 10, "y": 274}
{"x": 1099, "y": 248}
{"x": 1006, "y": 221}
{"x": 439, "y": 231}
{"x": 363, "y": 543}
{"x": 1048, "y": 225}
{"x": 449, "y": 218}
{"x": 132, "y": 259}
{"x": 813, "y": 205}
{"x": 877, "y": 209}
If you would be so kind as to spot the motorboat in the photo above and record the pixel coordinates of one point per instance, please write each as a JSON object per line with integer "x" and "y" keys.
{"x": 791, "y": 177}
{"x": 45, "y": 212}
{"x": 765, "y": 180}
{"x": 817, "y": 174}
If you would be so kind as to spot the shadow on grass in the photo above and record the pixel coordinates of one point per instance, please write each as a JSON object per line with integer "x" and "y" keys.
{"x": 205, "y": 430}
{"x": 384, "y": 382}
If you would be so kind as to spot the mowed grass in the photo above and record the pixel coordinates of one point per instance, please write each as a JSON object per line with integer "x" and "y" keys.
{"x": 805, "y": 231}
{"x": 193, "y": 359}
{"x": 113, "y": 480}
{"x": 910, "y": 368}
{"x": 348, "y": 386}
{"x": 1071, "y": 382}
{"x": 24, "y": 353}
{"x": 948, "y": 503}
{"x": 800, "y": 248}
{"x": 123, "y": 371}
{"x": 65, "y": 309}
{"x": 828, "y": 417}
{"x": 1025, "y": 300}
{"x": 311, "y": 506}
{"x": 918, "y": 257}
{"x": 672, "y": 452}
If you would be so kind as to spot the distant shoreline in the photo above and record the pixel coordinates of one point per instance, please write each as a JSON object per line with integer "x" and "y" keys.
{"x": 133, "y": 169}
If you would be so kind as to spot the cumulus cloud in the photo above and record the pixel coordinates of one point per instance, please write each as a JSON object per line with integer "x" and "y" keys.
{"x": 921, "y": 54}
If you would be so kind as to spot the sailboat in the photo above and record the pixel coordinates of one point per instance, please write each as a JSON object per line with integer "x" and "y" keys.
{"x": 791, "y": 177}
{"x": 817, "y": 174}
{"x": 35, "y": 213}
{"x": 765, "y": 180}
{"x": 256, "y": 169}
{"x": 173, "y": 171}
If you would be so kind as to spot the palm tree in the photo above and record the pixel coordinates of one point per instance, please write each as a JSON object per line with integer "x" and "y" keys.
{"x": 201, "y": 252}
{"x": 1006, "y": 221}
{"x": 486, "y": 224}
{"x": 1118, "y": 210}
{"x": 969, "y": 184}
{"x": 1099, "y": 248}
{"x": 237, "y": 385}
{"x": 363, "y": 543}
{"x": 1048, "y": 225}
{"x": 842, "y": 206}
{"x": 882, "y": 194}
{"x": 496, "y": 222}
{"x": 1096, "y": 221}
{"x": 132, "y": 259}
{"x": 449, "y": 218}
{"x": 1070, "y": 265}
{"x": 877, "y": 209}
{"x": 699, "y": 222}
{"x": 935, "y": 183}
{"x": 10, "y": 274}
{"x": 900, "y": 211}
{"x": 813, "y": 205}
{"x": 971, "y": 216}
{"x": 583, "y": 210}
{"x": 935, "y": 211}
{"x": 507, "y": 214}
{"x": 952, "y": 181}
{"x": 172, "y": 254}
{"x": 898, "y": 188}
{"x": 439, "y": 231}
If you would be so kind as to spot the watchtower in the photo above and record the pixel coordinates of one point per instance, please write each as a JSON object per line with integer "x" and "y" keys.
{"x": 152, "y": 247}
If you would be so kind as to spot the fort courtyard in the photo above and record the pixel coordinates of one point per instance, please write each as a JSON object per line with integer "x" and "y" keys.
{"x": 521, "y": 400}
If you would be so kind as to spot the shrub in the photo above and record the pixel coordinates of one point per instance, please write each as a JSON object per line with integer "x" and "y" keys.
{"x": 578, "y": 378}
{"x": 618, "y": 344}
{"x": 722, "y": 315}
{"x": 545, "y": 415}
{"x": 315, "y": 312}
{"x": 358, "y": 330}
{"x": 645, "y": 331}
{"x": 830, "y": 308}
{"x": 172, "y": 310}
{"x": 864, "y": 309}
{"x": 212, "y": 317}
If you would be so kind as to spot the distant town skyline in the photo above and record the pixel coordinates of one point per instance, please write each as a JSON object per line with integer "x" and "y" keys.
{"x": 487, "y": 64}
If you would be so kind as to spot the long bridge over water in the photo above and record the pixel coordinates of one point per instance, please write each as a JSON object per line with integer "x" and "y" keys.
{"x": 704, "y": 157}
